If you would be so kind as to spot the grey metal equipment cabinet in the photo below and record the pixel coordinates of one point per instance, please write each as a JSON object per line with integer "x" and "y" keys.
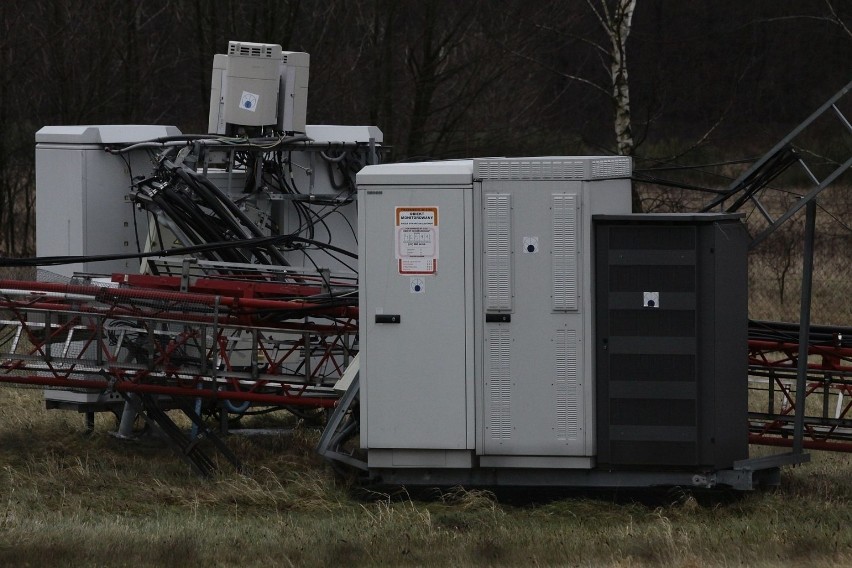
{"x": 82, "y": 205}
{"x": 671, "y": 337}
{"x": 475, "y": 311}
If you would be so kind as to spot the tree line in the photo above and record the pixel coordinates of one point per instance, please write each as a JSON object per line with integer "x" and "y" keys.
{"x": 668, "y": 82}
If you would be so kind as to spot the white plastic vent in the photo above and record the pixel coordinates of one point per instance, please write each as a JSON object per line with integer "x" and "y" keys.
{"x": 564, "y": 254}
{"x": 498, "y": 252}
{"x": 499, "y": 383}
{"x": 567, "y": 391}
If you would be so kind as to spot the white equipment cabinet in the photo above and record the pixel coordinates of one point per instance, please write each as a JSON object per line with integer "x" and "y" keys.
{"x": 82, "y": 205}
{"x": 476, "y": 310}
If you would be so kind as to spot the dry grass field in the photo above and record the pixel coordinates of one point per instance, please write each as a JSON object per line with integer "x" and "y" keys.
{"x": 71, "y": 499}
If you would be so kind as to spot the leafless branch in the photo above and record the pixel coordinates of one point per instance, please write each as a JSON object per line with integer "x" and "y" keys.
{"x": 576, "y": 78}
{"x": 837, "y": 19}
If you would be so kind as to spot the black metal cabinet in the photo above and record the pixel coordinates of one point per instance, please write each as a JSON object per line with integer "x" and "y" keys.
{"x": 671, "y": 319}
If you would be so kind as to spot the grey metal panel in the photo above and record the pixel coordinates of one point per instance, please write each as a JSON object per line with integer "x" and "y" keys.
{"x": 415, "y": 373}
{"x": 552, "y": 401}
{"x": 343, "y": 134}
{"x": 417, "y": 173}
{"x": 82, "y": 205}
{"x": 410, "y": 458}
{"x": 552, "y": 168}
{"x": 544, "y": 387}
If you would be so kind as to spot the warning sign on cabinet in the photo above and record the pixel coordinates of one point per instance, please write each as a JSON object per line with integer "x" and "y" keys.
{"x": 416, "y": 240}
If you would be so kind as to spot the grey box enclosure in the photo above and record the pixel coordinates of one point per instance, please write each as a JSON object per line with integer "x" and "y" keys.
{"x": 671, "y": 321}
{"x": 82, "y": 205}
{"x": 476, "y": 310}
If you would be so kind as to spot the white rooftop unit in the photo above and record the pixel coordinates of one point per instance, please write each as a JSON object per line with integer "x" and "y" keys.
{"x": 259, "y": 85}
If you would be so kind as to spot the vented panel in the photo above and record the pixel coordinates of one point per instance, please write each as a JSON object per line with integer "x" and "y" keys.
{"x": 564, "y": 252}
{"x": 552, "y": 168}
{"x": 499, "y": 383}
{"x": 617, "y": 166}
{"x": 567, "y": 392}
{"x": 507, "y": 169}
{"x": 498, "y": 252}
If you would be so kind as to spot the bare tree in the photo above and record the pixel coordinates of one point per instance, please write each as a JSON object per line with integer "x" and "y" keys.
{"x": 616, "y": 19}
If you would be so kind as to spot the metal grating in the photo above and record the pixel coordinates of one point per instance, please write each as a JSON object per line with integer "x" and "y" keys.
{"x": 564, "y": 254}
{"x": 530, "y": 169}
{"x": 567, "y": 391}
{"x": 499, "y": 383}
{"x": 498, "y": 259}
{"x": 615, "y": 167}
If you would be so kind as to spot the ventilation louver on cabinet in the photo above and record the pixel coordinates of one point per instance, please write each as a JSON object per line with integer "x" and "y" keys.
{"x": 498, "y": 269}
{"x": 499, "y": 383}
{"x": 567, "y": 391}
{"x": 564, "y": 252}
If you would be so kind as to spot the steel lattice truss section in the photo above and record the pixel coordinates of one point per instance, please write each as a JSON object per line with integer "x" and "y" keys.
{"x": 269, "y": 343}
{"x": 752, "y": 184}
{"x": 828, "y": 394}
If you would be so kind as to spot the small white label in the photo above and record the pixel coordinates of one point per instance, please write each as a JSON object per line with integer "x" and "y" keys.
{"x": 651, "y": 299}
{"x": 530, "y": 245}
{"x": 249, "y": 101}
{"x": 418, "y": 285}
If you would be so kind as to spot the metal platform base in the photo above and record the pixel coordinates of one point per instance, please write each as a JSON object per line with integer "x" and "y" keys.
{"x": 741, "y": 479}
{"x": 88, "y": 409}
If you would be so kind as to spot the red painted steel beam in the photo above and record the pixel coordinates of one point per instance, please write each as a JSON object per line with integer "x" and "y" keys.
{"x": 232, "y": 288}
{"x": 106, "y": 295}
